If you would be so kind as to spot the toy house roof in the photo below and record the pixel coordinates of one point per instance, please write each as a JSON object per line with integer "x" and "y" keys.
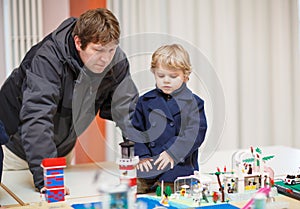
{"x": 54, "y": 162}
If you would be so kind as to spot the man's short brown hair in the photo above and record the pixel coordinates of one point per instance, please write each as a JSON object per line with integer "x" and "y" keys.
{"x": 97, "y": 26}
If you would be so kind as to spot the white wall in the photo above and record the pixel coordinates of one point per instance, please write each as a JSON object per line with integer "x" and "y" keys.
{"x": 2, "y": 55}
{"x": 54, "y": 12}
{"x": 250, "y": 48}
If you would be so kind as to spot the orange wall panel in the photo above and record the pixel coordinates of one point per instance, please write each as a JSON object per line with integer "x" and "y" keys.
{"x": 90, "y": 146}
{"x": 79, "y": 6}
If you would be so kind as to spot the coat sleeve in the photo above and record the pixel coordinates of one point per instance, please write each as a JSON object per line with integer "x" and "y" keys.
{"x": 192, "y": 134}
{"x": 41, "y": 92}
{"x": 138, "y": 121}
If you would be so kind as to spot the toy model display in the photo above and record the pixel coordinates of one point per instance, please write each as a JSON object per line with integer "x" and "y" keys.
{"x": 290, "y": 185}
{"x": 292, "y": 179}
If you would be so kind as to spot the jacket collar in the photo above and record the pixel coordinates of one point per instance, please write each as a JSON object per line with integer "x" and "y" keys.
{"x": 157, "y": 100}
{"x": 183, "y": 93}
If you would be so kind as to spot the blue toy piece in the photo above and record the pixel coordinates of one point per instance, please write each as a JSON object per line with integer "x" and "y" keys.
{"x": 153, "y": 202}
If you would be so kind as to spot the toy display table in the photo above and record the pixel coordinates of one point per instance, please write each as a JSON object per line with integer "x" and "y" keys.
{"x": 79, "y": 178}
{"x": 82, "y": 179}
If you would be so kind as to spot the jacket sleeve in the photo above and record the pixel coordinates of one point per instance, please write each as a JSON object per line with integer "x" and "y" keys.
{"x": 41, "y": 92}
{"x": 121, "y": 100}
{"x": 192, "y": 134}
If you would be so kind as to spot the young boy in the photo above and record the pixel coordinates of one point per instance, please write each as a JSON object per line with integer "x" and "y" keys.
{"x": 172, "y": 120}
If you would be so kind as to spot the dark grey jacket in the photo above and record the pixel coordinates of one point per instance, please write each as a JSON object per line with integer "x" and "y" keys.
{"x": 51, "y": 98}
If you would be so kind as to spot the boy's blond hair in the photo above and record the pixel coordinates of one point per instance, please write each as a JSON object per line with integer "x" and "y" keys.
{"x": 172, "y": 56}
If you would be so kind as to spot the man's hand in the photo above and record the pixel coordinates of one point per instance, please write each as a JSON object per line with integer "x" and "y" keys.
{"x": 163, "y": 160}
{"x": 67, "y": 190}
{"x": 145, "y": 163}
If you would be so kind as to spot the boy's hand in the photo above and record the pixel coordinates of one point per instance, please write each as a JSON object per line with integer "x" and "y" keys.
{"x": 163, "y": 160}
{"x": 145, "y": 163}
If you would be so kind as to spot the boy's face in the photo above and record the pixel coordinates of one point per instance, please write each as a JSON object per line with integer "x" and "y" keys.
{"x": 96, "y": 57}
{"x": 169, "y": 79}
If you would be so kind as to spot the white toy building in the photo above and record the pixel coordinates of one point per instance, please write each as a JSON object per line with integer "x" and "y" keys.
{"x": 127, "y": 164}
{"x": 250, "y": 174}
{"x": 122, "y": 195}
{"x": 195, "y": 186}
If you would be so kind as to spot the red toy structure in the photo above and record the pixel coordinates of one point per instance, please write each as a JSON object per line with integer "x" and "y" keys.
{"x": 54, "y": 178}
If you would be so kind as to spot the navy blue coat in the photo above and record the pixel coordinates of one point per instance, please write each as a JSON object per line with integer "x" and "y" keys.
{"x": 173, "y": 123}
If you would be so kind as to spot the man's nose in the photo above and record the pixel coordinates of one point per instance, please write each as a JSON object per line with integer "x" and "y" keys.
{"x": 105, "y": 57}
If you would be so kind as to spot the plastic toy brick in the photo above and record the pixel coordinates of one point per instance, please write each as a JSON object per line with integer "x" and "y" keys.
{"x": 55, "y": 195}
{"x": 54, "y": 162}
{"x": 54, "y": 182}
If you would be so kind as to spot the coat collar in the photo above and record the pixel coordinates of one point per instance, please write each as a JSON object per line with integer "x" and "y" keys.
{"x": 183, "y": 93}
{"x": 179, "y": 97}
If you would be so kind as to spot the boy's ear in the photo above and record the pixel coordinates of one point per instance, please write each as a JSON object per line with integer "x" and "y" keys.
{"x": 186, "y": 78}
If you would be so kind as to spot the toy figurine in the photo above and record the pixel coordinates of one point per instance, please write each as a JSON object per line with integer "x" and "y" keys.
{"x": 215, "y": 197}
{"x": 165, "y": 200}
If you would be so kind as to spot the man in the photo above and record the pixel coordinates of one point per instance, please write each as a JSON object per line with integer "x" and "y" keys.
{"x": 59, "y": 87}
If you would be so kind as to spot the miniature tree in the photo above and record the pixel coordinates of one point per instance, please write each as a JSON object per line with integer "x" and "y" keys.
{"x": 220, "y": 185}
{"x": 218, "y": 173}
{"x": 168, "y": 191}
{"x": 256, "y": 158}
{"x": 158, "y": 191}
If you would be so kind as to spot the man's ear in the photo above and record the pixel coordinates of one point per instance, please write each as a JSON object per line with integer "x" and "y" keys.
{"x": 77, "y": 42}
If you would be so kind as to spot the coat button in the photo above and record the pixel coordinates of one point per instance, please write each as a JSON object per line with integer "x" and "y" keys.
{"x": 152, "y": 144}
{"x": 171, "y": 124}
{"x": 181, "y": 160}
{"x": 153, "y": 124}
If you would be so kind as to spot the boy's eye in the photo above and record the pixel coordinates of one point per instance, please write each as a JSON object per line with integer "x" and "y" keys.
{"x": 173, "y": 76}
{"x": 160, "y": 75}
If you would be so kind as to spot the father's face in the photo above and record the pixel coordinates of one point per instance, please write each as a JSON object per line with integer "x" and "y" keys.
{"x": 96, "y": 57}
